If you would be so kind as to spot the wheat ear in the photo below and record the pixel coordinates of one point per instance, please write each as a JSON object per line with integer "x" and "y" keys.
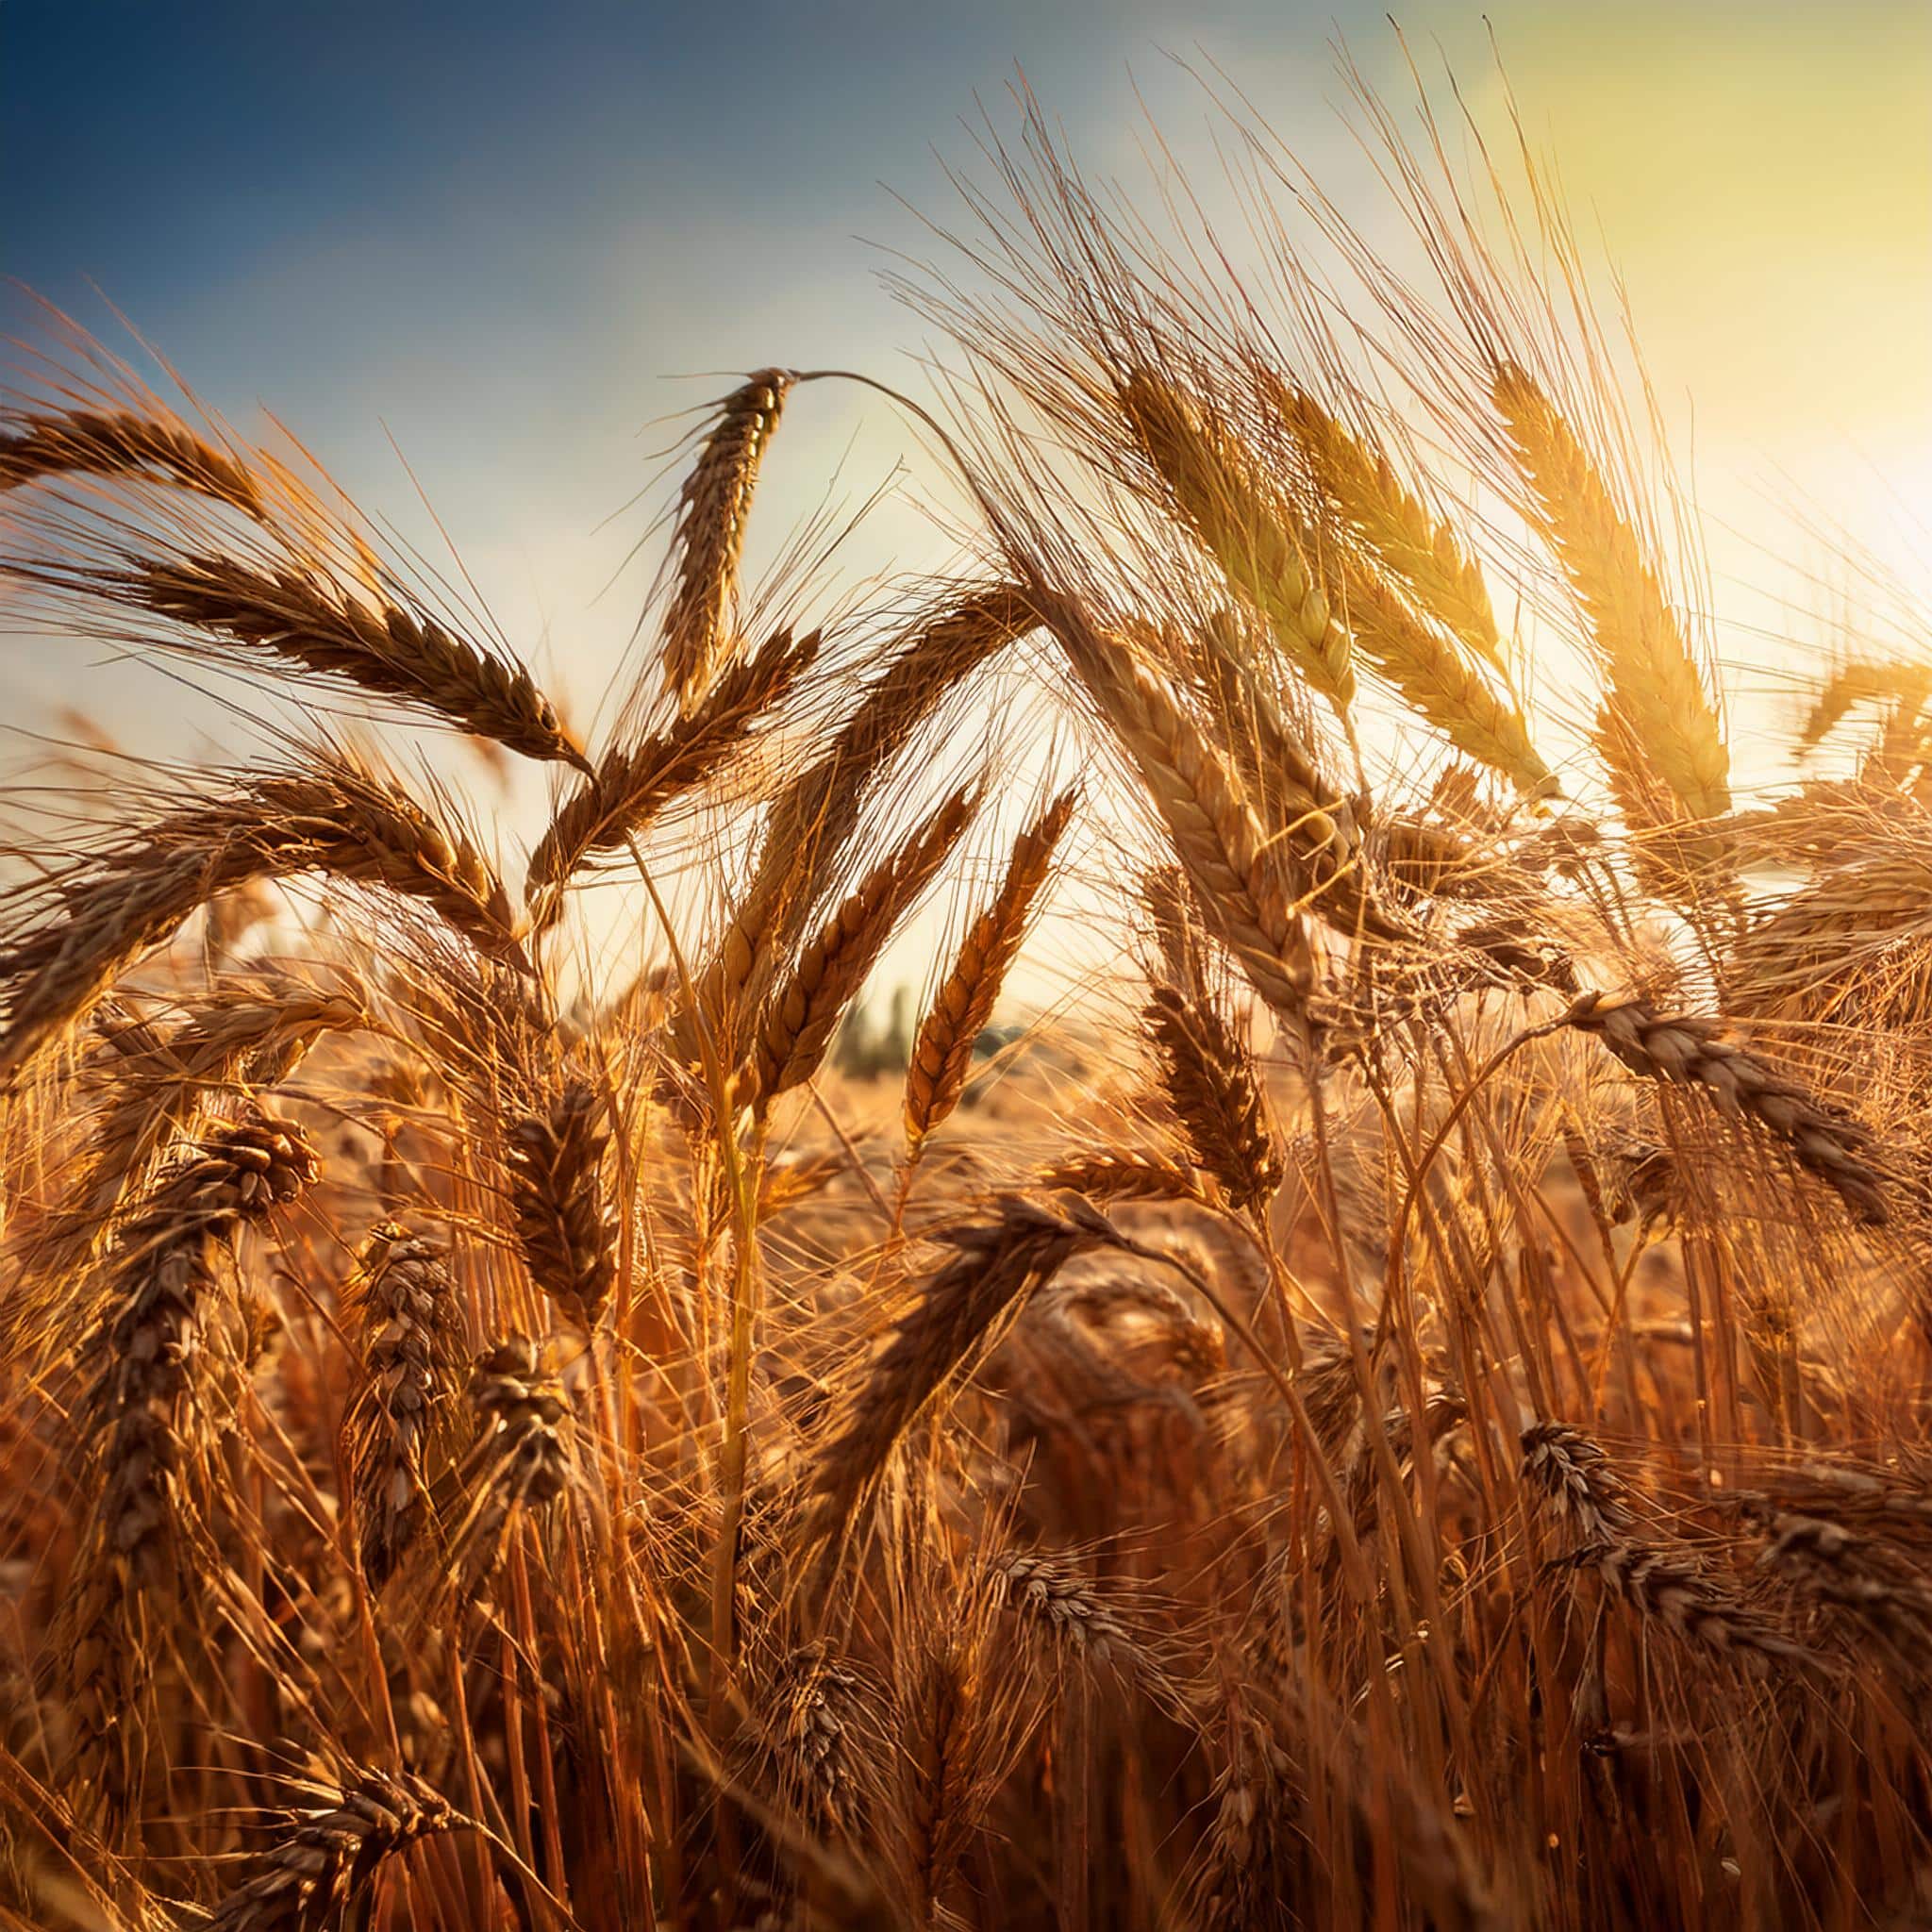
{"x": 1419, "y": 550}
{"x": 1429, "y": 667}
{"x": 381, "y": 646}
{"x": 1671, "y": 1590}
{"x": 712, "y": 509}
{"x": 1654, "y": 680}
{"x": 1687, "y": 1048}
{"x": 1118, "y": 1174}
{"x": 1221, "y": 491}
{"x": 327, "y": 1854}
{"x": 995, "y": 1266}
{"x": 557, "y": 1201}
{"x": 142, "y": 1414}
{"x": 1570, "y": 1475}
{"x": 632, "y": 784}
{"x": 1211, "y": 1081}
{"x": 962, "y": 1005}
{"x": 75, "y": 940}
{"x": 118, "y": 442}
{"x": 805, "y": 1009}
{"x": 814, "y": 817}
{"x": 403, "y": 1305}
{"x": 1242, "y": 879}
{"x": 253, "y": 1035}
{"x": 522, "y": 1459}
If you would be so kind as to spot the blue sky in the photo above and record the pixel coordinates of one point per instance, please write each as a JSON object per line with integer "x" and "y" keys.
{"x": 510, "y": 237}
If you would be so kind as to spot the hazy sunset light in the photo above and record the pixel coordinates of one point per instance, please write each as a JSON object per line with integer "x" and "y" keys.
{"x": 965, "y": 968}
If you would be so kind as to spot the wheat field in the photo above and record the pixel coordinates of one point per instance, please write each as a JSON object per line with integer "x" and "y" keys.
{"x": 1399, "y": 1401}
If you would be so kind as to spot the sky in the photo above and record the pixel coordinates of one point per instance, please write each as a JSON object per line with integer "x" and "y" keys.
{"x": 483, "y": 251}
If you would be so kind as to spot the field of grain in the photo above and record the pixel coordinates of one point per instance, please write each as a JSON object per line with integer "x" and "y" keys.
{"x": 1398, "y": 1401}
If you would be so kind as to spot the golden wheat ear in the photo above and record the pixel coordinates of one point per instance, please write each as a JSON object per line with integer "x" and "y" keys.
{"x": 555, "y": 1155}
{"x": 1244, "y": 882}
{"x": 1653, "y": 679}
{"x": 961, "y": 1008}
{"x": 713, "y": 508}
{"x": 375, "y": 645}
{"x": 404, "y": 1306}
{"x": 326, "y": 1855}
{"x": 1220, "y": 490}
{"x": 800, "y": 1018}
{"x": 1211, "y": 1081}
{"x": 996, "y": 1264}
{"x": 633, "y": 784}
{"x": 147, "y": 1412}
{"x": 1419, "y": 549}
{"x": 69, "y": 941}
{"x": 122, "y": 443}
